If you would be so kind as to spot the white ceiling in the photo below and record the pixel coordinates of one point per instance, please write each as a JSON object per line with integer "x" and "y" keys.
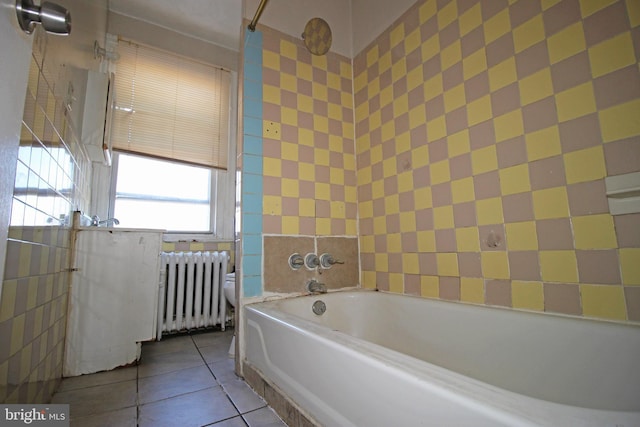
{"x": 216, "y": 21}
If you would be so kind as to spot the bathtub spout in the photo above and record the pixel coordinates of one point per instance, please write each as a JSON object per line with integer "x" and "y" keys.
{"x": 316, "y": 287}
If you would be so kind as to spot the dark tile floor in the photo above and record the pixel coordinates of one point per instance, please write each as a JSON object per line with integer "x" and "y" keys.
{"x": 180, "y": 381}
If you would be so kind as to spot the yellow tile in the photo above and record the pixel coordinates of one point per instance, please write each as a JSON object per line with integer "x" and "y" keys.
{"x": 551, "y": 203}
{"x": 420, "y": 156}
{"x": 594, "y": 232}
{"x": 589, "y": 7}
{"x": 521, "y": 236}
{"x": 382, "y": 262}
{"x": 288, "y": 49}
{"x": 470, "y": 20}
{"x": 633, "y": 10}
{"x": 323, "y": 226}
{"x": 458, "y": 143}
{"x": 430, "y": 286}
{"x": 502, "y": 74}
{"x": 433, "y": 87}
{"x": 489, "y": 211}
{"x": 360, "y": 82}
{"x": 401, "y": 105}
{"x": 414, "y": 78}
{"x": 398, "y": 70}
{"x": 385, "y": 62}
{"x": 543, "y": 143}
{"x": 603, "y": 301}
{"x": 362, "y": 112}
{"x": 24, "y": 260}
{"x": 408, "y": 222}
{"x": 454, "y": 98}
{"x": 630, "y": 266}
{"x": 514, "y": 179}
{"x": 437, "y": 128}
{"x": 479, "y": 110}
{"x": 375, "y": 120}
{"x": 379, "y": 225}
{"x": 535, "y": 87}
{"x": 528, "y": 34}
{"x": 319, "y": 61}
{"x": 391, "y": 205}
{"x": 417, "y": 116}
{"x": 484, "y": 160}
{"x": 497, "y": 26}
{"x": 304, "y": 103}
{"x": 443, "y": 217}
{"x": 472, "y": 290}
{"x": 319, "y": 91}
{"x": 422, "y": 198}
{"x": 462, "y": 190}
{"x": 394, "y": 243}
{"x": 386, "y": 96}
{"x": 447, "y": 264}
{"x": 290, "y": 187}
{"x": 585, "y": 165}
{"x": 396, "y": 283}
{"x": 475, "y": 63}
{"x": 372, "y": 56}
{"x": 323, "y": 191}
{"x": 430, "y": 47}
{"x": 17, "y": 334}
{"x": 426, "y": 241}
{"x": 451, "y": 54}
{"x": 389, "y": 167}
{"x": 495, "y": 264}
{"x": 439, "y": 172}
{"x": 447, "y": 15}
{"x": 8, "y": 300}
{"x": 405, "y": 181}
{"x": 467, "y": 239}
{"x": 271, "y": 60}
{"x": 304, "y": 71}
{"x": 566, "y": 43}
{"x": 558, "y": 266}
{"x": 620, "y": 122}
{"x": 397, "y": 35}
{"x": 271, "y": 129}
{"x": 508, "y": 125}
{"x": 410, "y": 263}
{"x": 288, "y": 82}
{"x": 272, "y": 205}
{"x": 575, "y": 102}
{"x": 412, "y": 41}
{"x": 527, "y": 295}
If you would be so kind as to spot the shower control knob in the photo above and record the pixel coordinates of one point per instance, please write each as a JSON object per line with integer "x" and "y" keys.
{"x": 326, "y": 260}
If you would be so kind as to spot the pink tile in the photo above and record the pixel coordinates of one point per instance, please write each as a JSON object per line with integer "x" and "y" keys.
{"x": 287, "y": 65}
{"x": 469, "y": 264}
{"x": 406, "y": 201}
{"x": 606, "y": 23}
{"x": 435, "y": 107}
{"x": 472, "y": 41}
{"x": 500, "y": 50}
{"x": 487, "y": 185}
{"x": 409, "y": 242}
{"x": 429, "y": 29}
{"x": 445, "y": 240}
{"x": 393, "y": 223}
{"x": 505, "y": 99}
{"x": 482, "y": 135}
{"x": 382, "y": 281}
{"x": 416, "y": 97}
{"x": 632, "y": 296}
{"x": 492, "y": 8}
{"x": 449, "y": 34}
{"x": 368, "y": 261}
{"x": 492, "y": 237}
{"x": 271, "y": 112}
{"x": 438, "y": 150}
{"x": 431, "y": 67}
{"x": 547, "y": 173}
{"x": 562, "y": 298}
{"x": 391, "y": 185}
{"x": 428, "y": 264}
{"x": 380, "y": 243}
{"x": 460, "y": 166}
{"x": 521, "y": 12}
{"x": 477, "y": 86}
{"x": 587, "y": 198}
{"x": 622, "y": 156}
{"x": 517, "y": 207}
{"x": 450, "y": 288}
{"x": 617, "y": 87}
{"x": 441, "y": 194}
{"x": 512, "y": 152}
{"x": 628, "y": 230}
{"x": 498, "y": 292}
{"x": 452, "y": 76}
{"x": 539, "y": 115}
{"x": 464, "y": 214}
{"x": 456, "y": 120}
{"x": 571, "y": 72}
{"x": 560, "y": 16}
{"x": 580, "y": 133}
{"x": 524, "y": 265}
{"x": 412, "y": 284}
{"x": 554, "y": 234}
{"x": 599, "y": 267}
{"x": 532, "y": 59}
{"x": 418, "y": 136}
{"x": 272, "y": 224}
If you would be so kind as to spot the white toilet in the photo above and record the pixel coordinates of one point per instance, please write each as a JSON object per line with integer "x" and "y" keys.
{"x": 230, "y": 295}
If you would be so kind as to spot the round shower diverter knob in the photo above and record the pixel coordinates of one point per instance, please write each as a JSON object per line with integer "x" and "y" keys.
{"x": 311, "y": 261}
{"x": 327, "y": 260}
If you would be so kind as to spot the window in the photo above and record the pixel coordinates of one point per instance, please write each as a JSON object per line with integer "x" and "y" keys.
{"x": 152, "y": 193}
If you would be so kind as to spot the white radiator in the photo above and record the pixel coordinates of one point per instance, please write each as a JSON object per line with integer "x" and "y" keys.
{"x": 191, "y": 291}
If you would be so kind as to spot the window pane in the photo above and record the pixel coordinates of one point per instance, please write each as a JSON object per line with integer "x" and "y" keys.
{"x": 152, "y": 193}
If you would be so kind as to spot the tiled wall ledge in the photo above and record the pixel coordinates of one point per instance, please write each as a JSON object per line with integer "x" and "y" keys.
{"x": 285, "y": 408}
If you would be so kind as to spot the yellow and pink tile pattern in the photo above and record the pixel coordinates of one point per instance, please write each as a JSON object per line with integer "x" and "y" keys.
{"x": 309, "y": 184}
{"x": 484, "y": 131}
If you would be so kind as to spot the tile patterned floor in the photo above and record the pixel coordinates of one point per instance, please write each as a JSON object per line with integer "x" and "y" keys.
{"x": 180, "y": 381}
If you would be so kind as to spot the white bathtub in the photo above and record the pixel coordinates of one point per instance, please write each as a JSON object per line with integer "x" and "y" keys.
{"x": 380, "y": 359}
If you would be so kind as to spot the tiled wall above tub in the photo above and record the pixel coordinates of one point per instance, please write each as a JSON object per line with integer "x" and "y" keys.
{"x": 280, "y": 277}
{"x": 484, "y": 132}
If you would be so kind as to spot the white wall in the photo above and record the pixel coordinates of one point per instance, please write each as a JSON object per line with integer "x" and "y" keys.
{"x": 291, "y": 16}
{"x": 372, "y": 17}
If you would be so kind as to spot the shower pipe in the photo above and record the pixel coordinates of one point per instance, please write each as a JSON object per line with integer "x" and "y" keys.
{"x": 254, "y": 21}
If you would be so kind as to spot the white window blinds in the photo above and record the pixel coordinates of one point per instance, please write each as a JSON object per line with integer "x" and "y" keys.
{"x": 170, "y": 107}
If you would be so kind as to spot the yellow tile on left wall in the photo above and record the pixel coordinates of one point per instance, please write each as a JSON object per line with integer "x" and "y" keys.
{"x": 603, "y": 301}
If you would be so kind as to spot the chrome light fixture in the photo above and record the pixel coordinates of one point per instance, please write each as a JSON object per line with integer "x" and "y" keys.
{"x": 53, "y": 17}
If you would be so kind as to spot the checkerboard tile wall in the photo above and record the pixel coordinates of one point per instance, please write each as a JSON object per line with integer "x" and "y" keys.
{"x": 484, "y": 131}
{"x": 308, "y": 147}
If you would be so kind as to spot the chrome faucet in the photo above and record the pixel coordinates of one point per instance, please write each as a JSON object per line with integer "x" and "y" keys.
{"x": 95, "y": 221}
{"x": 316, "y": 287}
